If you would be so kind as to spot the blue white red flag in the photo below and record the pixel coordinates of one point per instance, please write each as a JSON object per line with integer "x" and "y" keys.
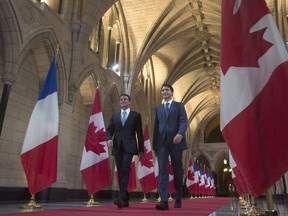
{"x": 39, "y": 150}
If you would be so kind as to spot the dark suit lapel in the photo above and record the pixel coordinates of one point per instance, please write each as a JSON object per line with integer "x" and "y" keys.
{"x": 130, "y": 116}
{"x": 118, "y": 117}
{"x": 162, "y": 111}
{"x": 172, "y": 107}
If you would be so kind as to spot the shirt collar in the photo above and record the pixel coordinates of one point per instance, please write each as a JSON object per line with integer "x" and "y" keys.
{"x": 170, "y": 101}
{"x": 127, "y": 111}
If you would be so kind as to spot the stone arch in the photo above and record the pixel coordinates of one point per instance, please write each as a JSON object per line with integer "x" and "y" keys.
{"x": 88, "y": 82}
{"x": 47, "y": 38}
{"x": 11, "y": 39}
{"x": 204, "y": 158}
{"x": 218, "y": 158}
{"x": 89, "y": 70}
{"x": 110, "y": 102}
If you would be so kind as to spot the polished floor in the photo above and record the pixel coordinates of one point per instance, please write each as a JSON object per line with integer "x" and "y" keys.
{"x": 231, "y": 209}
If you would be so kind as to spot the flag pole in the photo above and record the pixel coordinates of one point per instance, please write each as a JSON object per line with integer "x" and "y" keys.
{"x": 253, "y": 209}
{"x": 31, "y": 204}
{"x": 242, "y": 201}
{"x": 144, "y": 198}
{"x": 270, "y": 205}
{"x": 91, "y": 201}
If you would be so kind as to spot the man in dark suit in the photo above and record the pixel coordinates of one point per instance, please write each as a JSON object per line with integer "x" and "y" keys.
{"x": 123, "y": 128}
{"x": 169, "y": 139}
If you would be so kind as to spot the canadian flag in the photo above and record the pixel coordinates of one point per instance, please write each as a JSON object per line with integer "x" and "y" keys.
{"x": 145, "y": 172}
{"x": 156, "y": 171}
{"x": 132, "y": 177}
{"x": 192, "y": 178}
{"x": 207, "y": 181}
{"x": 212, "y": 187}
{"x": 201, "y": 183}
{"x": 95, "y": 166}
{"x": 254, "y": 77}
{"x": 171, "y": 178}
{"x": 238, "y": 179}
{"x": 39, "y": 150}
{"x": 171, "y": 175}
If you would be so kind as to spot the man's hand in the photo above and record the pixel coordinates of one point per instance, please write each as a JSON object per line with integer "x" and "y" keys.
{"x": 110, "y": 143}
{"x": 177, "y": 139}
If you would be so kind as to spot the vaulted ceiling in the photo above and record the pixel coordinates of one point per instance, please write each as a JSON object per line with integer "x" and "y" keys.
{"x": 179, "y": 42}
{"x": 181, "y": 38}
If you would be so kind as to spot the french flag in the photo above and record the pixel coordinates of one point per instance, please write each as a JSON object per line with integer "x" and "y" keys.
{"x": 39, "y": 150}
{"x": 254, "y": 77}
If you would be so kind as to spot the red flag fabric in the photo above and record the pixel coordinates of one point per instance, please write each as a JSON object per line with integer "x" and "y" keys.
{"x": 95, "y": 166}
{"x": 254, "y": 64}
{"x": 132, "y": 177}
{"x": 212, "y": 187}
{"x": 145, "y": 172}
{"x": 132, "y": 180}
{"x": 192, "y": 178}
{"x": 237, "y": 177}
{"x": 201, "y": 183}
{"x": 171, "y": 178}
{"x": 39, "y": 150}
{"x": 207, "y": 182}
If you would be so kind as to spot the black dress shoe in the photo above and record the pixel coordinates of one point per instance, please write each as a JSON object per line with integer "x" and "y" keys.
{"x": 125, "y": 204}
{"x": 177, "y": 204}
{"x": 118, "y": 203}
{"x": 162, "y": 206}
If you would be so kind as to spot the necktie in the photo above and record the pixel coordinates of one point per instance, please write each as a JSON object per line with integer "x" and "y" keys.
{"x": 123, "y": 118}
{"x": 167, "y": 107}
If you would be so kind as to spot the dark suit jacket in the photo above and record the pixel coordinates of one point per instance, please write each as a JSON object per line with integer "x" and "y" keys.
{"x": 166, "y": 127}
{"x": 126, "y": 134}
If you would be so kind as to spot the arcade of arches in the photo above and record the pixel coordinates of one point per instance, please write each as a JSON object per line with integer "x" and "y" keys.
{"x": 130, "y": 46}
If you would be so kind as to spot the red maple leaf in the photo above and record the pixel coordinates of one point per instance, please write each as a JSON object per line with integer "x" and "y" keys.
{"x": 239, "y": 47}
{"x": 94, "y": 138}
{"x": 190, "y": 175}
{"x": 146, "y": 159}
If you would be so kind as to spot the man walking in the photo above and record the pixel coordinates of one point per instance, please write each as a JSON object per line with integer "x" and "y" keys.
{"x": 169, "y": 139}
{"x": 123, "y": 128}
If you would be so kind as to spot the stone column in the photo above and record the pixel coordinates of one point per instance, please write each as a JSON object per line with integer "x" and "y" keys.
{"x": 8, "y": 82}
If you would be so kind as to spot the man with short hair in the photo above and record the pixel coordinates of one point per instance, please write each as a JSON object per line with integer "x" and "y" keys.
{"x": 169, "y": 139}
{"x": 122, "y": 129}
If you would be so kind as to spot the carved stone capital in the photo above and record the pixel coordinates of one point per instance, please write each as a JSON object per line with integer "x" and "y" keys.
{"x": 71, "y": 91}
{"x": 9, "y": 79}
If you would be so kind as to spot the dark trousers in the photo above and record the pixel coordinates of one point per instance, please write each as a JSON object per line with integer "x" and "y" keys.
{"x": 123, "y": 164}
{"x": 163, "y": 179}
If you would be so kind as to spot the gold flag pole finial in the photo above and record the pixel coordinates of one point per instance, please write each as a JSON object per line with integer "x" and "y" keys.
{"x": 98, "y": 84}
